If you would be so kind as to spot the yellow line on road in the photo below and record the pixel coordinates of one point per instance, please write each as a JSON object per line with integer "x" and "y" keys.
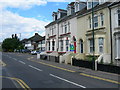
{"x": 25, "y": 84}
{"x": 108, "y": 80}
{"x": 20, "y": 82}
{"x": 53, "y": 66}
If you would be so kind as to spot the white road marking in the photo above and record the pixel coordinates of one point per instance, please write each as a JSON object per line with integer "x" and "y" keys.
{"x": 15, "y": 59}
{"x": 22, "y": 62}
{"x": 67, "y": 81}
{"x": 9, "y": 57}
{"x": 34, "y": 68}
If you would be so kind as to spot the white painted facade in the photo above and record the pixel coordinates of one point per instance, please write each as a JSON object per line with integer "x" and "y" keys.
{"x": 41, "y": 45}
{"x": 29, "y": 45}
{"x": 115, "y": 21}
{"x": 60, "y": 33}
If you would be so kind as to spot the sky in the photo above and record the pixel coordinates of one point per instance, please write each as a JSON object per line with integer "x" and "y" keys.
{"x": 26, "y": 17}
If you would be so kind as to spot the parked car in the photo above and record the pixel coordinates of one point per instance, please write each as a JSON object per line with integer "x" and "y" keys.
{"x": 35, "y": 52}
{"x": 25, "y": 51}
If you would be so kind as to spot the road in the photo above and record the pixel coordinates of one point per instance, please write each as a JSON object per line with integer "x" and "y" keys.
{"x": 23, "y": 71}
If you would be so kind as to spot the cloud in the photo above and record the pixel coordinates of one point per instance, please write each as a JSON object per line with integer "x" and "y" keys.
{"x": 23, "y": 4}
{"x": 14, "y": 23}
{"x": 60, "y": 0}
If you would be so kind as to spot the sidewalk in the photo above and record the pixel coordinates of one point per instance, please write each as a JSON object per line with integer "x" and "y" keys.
{"x": 85, "y": 71}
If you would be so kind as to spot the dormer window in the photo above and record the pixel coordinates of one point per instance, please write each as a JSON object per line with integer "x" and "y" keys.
{"x": 59, "y": 14}
{"x": 54, "y": 16}
{"x": 76, "y": 6}
{"x": 102, "y": 1}
{"x": 89, "y": 4}
{"x": 69, "y": 10}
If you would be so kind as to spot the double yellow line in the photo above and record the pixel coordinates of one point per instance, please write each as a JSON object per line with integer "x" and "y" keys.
{"x": 20, "y": 82}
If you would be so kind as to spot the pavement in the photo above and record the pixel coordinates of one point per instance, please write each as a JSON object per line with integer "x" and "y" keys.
{"x": 38, "y": 73}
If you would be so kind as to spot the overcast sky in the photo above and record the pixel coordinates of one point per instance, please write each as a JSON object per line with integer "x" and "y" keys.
{"x": 27, "y": 16}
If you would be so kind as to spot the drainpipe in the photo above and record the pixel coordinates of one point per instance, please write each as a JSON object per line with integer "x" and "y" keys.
{"x": 111, "y": 36}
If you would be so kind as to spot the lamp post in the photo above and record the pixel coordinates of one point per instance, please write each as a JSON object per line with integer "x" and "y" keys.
{"x": 93, "y": 58}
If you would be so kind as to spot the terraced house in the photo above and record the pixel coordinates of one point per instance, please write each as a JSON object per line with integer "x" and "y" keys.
{"x": 63, "y": 28}
{"x": 71, "y": 32}
{"x": 101, "y": 31}
{"x": 115, "y": 30}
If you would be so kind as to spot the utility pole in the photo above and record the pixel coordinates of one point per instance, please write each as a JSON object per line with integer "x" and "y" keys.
{"x": 93, "y": 58}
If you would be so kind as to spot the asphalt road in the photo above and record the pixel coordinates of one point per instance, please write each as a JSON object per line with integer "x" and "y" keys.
{"x": 22, "y": 71}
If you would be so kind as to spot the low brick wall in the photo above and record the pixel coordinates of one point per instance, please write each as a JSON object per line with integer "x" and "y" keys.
{"x": 50, "y": 58}
{"x": 100, "y": 67}
{"x": 109, "y": 68}
{"x": 82, "y": 63}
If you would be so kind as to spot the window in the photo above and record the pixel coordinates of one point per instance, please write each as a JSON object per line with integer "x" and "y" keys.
{"x": 101, "y": 43}
{"x": 119, "y": 17}
{"x": 53, "y": 45}
{"x": 102, "y": 19}
{"x": 89, "y": 5}
{"x": 61, "y": 45}
{"x": 43, "y": 42}
{"x": 81, "y": 46}
{"x": 69, "y": 26}
{"x": 95, "y": 21}
{"x": 49, "y": 45}
{"x": 90, "y": 23}
{"x": 67, "y": 45}
{"x": 65, "y": 28}
{"x": 76, "y": 7}
{"x": 91, "y": 45}
{"x": 62, "y": 28}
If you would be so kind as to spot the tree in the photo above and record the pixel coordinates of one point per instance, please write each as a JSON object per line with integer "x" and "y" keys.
{"x": 10, "y": 44}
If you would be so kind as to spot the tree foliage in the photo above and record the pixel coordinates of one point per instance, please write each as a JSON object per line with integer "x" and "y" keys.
{"x": 10, "y": 44}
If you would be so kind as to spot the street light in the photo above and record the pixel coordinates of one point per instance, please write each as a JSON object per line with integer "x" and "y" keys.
{"x": 93, "y": 58}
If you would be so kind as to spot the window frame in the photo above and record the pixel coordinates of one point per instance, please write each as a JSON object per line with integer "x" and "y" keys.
{"x": 90, "y": 22}
{"x": 67, "y": 45}
{"x": 61, "y": 45}
{"x": 49, "y": 45}
{"x": 65, "y": 28}
{"x": 53, "y": 45}
{"x": 101, "y": 45}
{"x": 91, "y": 45}
{"x": 102, "y": 19}
{"x": 118, "y": 14}
{"x": 95, "y": 21}
{"x": 81, "y": 46}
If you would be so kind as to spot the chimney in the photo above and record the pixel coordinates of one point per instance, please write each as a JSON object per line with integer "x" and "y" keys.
{"x": 36, "y": 33}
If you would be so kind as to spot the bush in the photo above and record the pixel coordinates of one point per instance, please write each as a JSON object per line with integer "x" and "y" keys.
{"x": 90, "y": 57}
